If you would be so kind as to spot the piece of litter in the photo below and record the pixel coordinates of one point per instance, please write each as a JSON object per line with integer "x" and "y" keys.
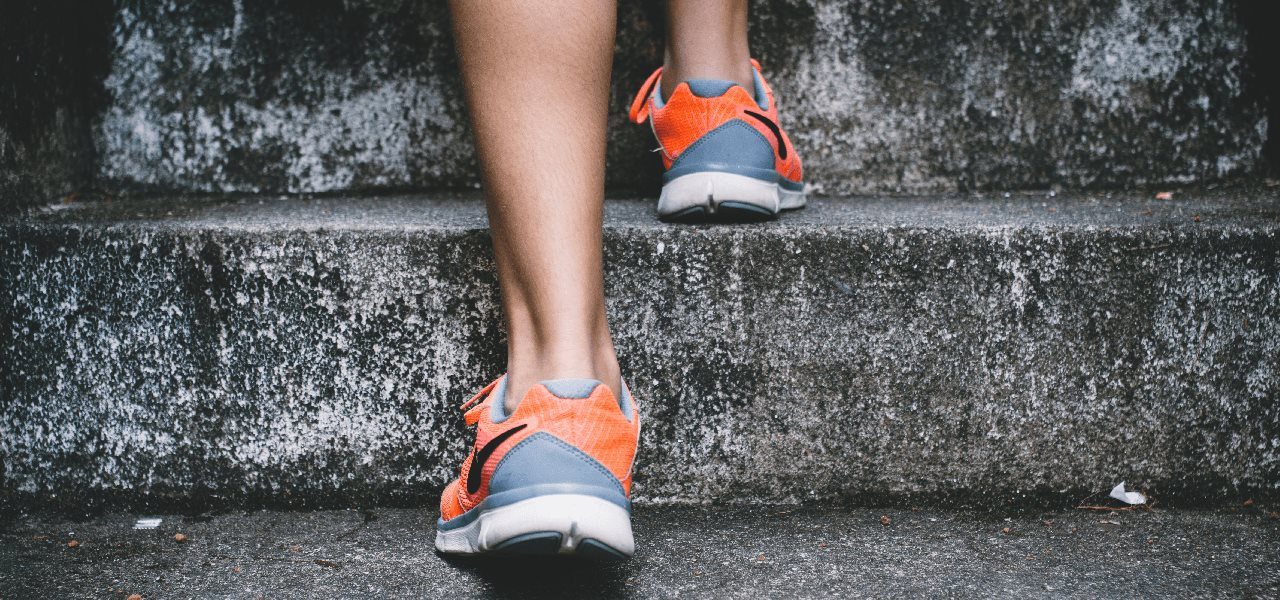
{"x": 1109, "y": 522}
{"x": 885, "y": 520}
{"x": 1164, "y": 196}
{"x": 147, "y": 523}
{"x": 1120, "y": 494}
{"x": 180, "y": 537}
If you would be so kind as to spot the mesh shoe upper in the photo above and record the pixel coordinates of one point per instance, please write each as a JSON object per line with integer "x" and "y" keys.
{"x": 685, "y": 117}
{"x": 594, "y": 427}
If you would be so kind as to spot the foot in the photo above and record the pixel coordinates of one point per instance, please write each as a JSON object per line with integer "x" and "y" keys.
{"x": 724, "y": 154}
{"x": 551, "y": 477}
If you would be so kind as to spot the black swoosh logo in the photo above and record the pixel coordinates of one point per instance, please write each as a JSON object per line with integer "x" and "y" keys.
{"x": 481, "y": 457}
{"x": 773, "y": 128}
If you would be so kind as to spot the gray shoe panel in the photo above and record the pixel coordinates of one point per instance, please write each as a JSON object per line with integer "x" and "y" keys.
{"x": 734, "y": 143}
{"x": 709, "y": 88}
{"x": 571, "y": 388}
{"x": 542, "y": 459}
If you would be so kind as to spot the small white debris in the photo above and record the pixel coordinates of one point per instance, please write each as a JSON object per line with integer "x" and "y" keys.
{"x": 148, "y": 523}
{"x": 1127, "y": 497}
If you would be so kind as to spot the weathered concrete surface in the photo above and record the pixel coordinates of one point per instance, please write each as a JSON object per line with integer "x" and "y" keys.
{"x": 314, "y": 351}
{"x": 878, "y": 95}
{"x": 681, "y": 553}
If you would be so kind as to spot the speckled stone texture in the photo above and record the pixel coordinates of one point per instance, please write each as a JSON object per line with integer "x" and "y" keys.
{"x": 934, "y": 348}
{"x": 878, "y": 95}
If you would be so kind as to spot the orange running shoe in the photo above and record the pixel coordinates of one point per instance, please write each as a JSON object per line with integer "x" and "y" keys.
{"x": 552, "y": 477}
{"x": 725, "y": 156}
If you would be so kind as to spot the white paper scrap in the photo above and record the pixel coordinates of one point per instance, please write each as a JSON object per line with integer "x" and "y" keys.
{"x": 147, "y": 523}
{"x": 1127, "y": 497}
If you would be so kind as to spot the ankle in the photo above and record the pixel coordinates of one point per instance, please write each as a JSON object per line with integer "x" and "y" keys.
{"x": 526, "y": 369}
{"x": 735, "y": 69}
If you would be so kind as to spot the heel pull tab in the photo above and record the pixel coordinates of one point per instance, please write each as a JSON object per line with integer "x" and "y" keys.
{"x": 476, "y": 405}
{"x": 640, "y": 105}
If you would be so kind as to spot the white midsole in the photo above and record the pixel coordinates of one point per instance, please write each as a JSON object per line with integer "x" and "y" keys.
{"x": 710, "y": 188}
{"x": 789, "y": 199}
{"x": 575, "y": 516}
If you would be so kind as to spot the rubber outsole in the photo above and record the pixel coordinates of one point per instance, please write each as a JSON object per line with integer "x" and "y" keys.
{"x": 722, "y": 197}
{"x": 726, "y": 212}
{"x": 572, "y": 524}
{"x": 549, "y": 543}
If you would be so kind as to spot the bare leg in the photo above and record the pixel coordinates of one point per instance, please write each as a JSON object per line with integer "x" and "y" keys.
{"x": 537, "y": 81}
{"x": 706, "y": 39}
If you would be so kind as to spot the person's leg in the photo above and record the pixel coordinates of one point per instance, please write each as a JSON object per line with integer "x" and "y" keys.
{"x": 706, "y": 39}
{"x": 724, "y": 153}
{"x": 537, "y": 81}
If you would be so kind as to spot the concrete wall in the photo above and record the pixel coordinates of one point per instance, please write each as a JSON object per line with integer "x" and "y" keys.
{"x": 290, "y": 96}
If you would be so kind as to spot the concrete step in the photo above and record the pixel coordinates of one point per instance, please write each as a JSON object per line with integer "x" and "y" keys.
{"x": 280, "y": 96}
{"x": 681, "y": 552}
{"x": 930, "y": 349}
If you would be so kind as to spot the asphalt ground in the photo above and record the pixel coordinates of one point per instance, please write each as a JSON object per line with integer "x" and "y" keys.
{"x": 738, "y": 552}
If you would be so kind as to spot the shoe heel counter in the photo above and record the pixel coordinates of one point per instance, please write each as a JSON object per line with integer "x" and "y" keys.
{"x": 543, "y": 459}
{"x": 733, "y": 147}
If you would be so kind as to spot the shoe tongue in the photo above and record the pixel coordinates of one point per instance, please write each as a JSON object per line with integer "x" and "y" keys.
{"x": 709, "y": 88}
{"x": 571, "y": 388}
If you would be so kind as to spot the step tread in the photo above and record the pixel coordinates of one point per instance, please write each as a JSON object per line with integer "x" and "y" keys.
{"x": 1251, "y": 205}
{"x": 314, "y": 352}
{"x": 759, "y": 552}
